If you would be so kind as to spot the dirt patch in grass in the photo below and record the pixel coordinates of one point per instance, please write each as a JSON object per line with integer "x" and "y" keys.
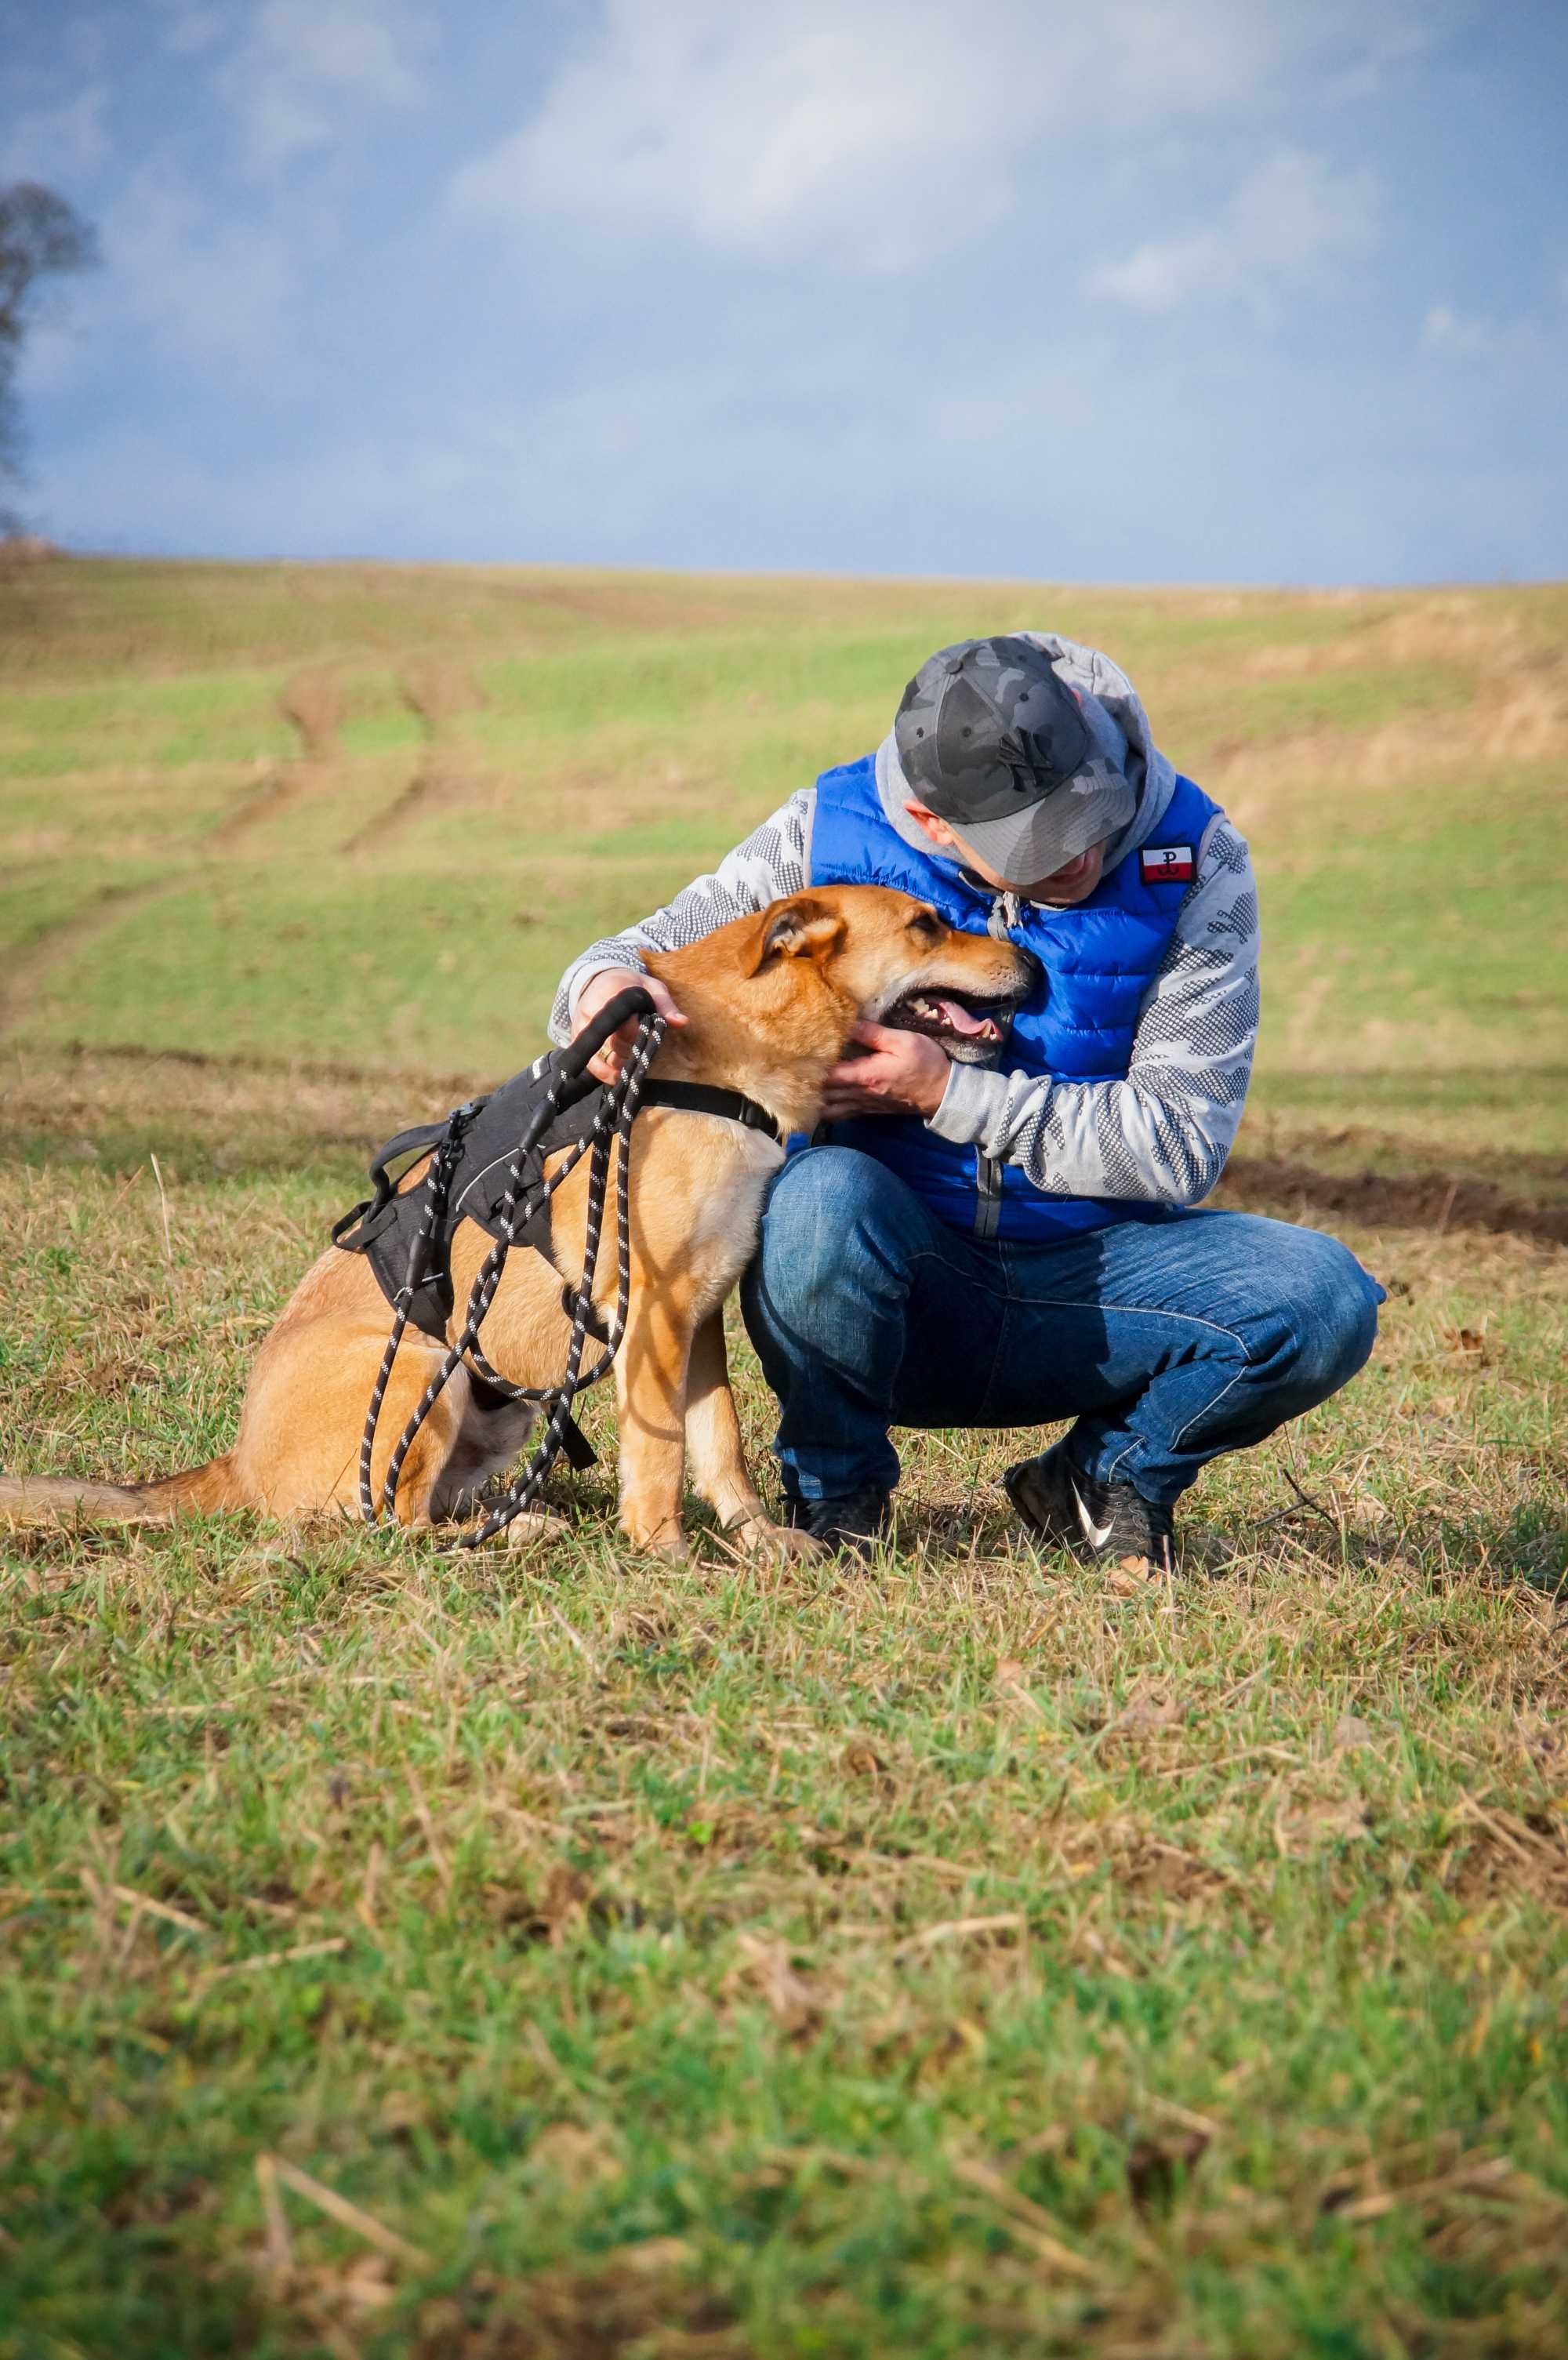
{"x": 1501, "y": 1856}
{"x": 439, "y": 691}
{"x": 314, "y": 702}
{"x": 1423, "y": 1200}
{"x": 641, "y": 2299}
{"x": 1514, "y": 713}
{"x": 1519, "y": 719}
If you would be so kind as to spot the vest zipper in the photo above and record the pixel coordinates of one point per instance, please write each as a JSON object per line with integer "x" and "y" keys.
{"x": 1006, "y": 909}
{"x": 987, "y": 1196}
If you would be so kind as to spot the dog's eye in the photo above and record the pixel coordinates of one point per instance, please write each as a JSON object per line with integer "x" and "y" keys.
{"x": 924, "y": 927}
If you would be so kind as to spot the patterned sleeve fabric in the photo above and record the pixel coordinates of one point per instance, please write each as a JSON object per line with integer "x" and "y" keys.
{"x": 1166, "y": 1130}
{"x": 770, "y": 863}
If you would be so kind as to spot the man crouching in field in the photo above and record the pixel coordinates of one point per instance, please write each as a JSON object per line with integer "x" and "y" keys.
{"x": 1002, "y": 1230}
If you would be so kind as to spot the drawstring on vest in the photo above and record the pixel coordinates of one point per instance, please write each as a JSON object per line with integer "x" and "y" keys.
{"x": 1006, "y": 912}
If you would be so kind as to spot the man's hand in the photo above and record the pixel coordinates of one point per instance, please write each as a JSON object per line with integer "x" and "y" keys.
{"x": 903, "y": 1073}
{"x": 597, "y": 993}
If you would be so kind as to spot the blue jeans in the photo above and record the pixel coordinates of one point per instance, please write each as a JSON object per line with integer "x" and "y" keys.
{"x": 1169, "y": 1341}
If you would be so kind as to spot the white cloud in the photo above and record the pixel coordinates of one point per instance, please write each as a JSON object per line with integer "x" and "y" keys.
{"x": 307, "y": 70}
{"x": 213, "y": 293}
{"x": 875, "y": 128}
{"x": 1445, "y": 330}
{"x": 1456, "y": 334}
{"x": 180, "y": 281}
{"x": 747, "y": 128}
{"x": 1294, "y": 215}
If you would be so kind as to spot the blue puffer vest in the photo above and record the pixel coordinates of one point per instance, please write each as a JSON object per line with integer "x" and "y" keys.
{"x": 1097, "y": 962}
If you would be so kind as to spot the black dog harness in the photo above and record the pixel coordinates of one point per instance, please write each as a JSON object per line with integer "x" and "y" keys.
{"x": 484, "y": 1133}
{"x": 488, "y": 1159}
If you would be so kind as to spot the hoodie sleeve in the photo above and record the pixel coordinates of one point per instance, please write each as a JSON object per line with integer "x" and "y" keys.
{"x": 774, "y": 860}
{"x": 1165, "y": 1131}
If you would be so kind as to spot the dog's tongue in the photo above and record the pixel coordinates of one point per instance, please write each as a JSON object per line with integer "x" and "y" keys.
{"x": 972, "y": 1028}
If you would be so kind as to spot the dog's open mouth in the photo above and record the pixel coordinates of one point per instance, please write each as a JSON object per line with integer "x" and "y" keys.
{"x": 946, "y": 1016}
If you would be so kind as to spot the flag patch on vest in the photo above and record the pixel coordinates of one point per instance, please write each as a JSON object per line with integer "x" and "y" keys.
{"x": 1167, "y": 864}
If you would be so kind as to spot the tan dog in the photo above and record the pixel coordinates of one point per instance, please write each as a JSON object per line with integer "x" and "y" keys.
{"x": 769, "y": 1001}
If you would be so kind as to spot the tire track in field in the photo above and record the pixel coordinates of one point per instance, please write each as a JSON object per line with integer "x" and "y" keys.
{"x": 29, "y": 971}
{"x": 312, "y": 704}
{"x": 437, "y": 692}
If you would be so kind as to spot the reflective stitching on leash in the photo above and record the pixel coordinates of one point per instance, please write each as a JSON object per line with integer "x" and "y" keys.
{"x": 612, "y": 1127}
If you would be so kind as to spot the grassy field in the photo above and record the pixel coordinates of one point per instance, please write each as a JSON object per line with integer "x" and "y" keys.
{"x": 577, "y": 1958}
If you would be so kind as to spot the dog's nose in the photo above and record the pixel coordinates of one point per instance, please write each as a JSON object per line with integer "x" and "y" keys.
{"x": 1031, "y": 966}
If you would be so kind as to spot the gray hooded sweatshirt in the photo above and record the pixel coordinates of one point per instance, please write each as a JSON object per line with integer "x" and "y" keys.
{"x": 1163, "y": 1132}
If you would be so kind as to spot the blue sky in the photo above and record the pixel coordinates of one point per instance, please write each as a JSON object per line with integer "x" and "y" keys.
{"x": 1153, "y": 290}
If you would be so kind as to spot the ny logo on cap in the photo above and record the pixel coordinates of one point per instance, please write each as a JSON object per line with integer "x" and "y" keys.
{"x": 1028, "y": 755}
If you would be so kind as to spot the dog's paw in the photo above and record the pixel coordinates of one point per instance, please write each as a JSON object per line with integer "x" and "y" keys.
{"x": 781, "y": 1543}
{"x": 666, "y": 1541}
{"x": 534, "y": 1528}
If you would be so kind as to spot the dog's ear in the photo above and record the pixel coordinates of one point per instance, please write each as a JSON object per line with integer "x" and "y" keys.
{"x": 799, "y": 928}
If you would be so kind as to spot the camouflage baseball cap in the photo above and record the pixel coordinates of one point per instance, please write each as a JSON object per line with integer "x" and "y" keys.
{"x": 1029, "y": 773}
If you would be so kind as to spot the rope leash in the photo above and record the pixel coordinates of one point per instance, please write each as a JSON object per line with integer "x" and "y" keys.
{"x": 612, "y": 1128}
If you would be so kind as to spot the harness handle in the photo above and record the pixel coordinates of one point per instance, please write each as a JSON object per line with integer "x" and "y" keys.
{"x": 415, "y": 1142}
{"x": 577, "y": 1055}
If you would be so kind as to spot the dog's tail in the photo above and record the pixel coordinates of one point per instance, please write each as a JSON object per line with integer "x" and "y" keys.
{"x": 61, "y": 1500}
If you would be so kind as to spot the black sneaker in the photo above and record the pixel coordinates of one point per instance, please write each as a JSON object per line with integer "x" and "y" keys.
{"x": 853, "y": 1524}
{"x": 1067, "y": 1509}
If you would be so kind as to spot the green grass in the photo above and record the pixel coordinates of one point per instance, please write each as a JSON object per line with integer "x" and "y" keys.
{"x": 960, "y": 1958}
{"x": 190, "y": 718}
